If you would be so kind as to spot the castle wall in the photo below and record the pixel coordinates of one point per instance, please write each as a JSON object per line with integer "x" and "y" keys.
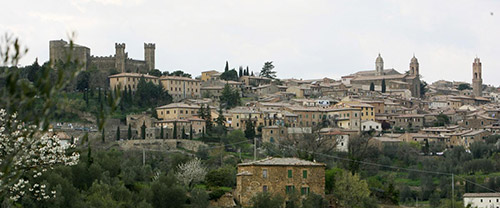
{"x": 103, "y": 63}
{"x": 136, "y": 66}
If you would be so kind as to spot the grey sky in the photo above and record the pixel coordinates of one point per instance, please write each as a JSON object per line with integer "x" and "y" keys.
{"x": 305, "y": 38}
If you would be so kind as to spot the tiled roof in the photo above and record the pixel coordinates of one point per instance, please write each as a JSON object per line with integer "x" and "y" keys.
{"x": 179, "y": 105}
{"x": 482, "y": 195}
{"x": 282, "y": 162}
{"x": 133, "y": 75}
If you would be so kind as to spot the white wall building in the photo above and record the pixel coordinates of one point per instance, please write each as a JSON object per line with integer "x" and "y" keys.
{"x": 369, "y": 125}
{"x": 482, "y": 200}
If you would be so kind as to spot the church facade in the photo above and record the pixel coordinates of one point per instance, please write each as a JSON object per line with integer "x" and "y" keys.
{"x": 394, "y": 80}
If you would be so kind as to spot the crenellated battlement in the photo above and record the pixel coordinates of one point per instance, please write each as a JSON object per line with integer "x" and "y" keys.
{"x": 120, "y": 61}
{"x": 150, "y": 45}
{"x": 119, "y": 45}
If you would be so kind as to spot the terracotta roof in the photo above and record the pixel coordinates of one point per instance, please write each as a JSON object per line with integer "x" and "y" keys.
{"x": 481, "y": 195}
{"x": 132, "y": 75}
{"x": 270, "y": 161}
{"x": 178, "y": 105}
{"x": 178, "y": 78}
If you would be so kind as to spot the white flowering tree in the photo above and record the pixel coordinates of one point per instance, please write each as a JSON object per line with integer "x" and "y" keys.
{"x": 27, "y": 148}
{"x": 191, "y": 172}
{"x": 24, "y": 153}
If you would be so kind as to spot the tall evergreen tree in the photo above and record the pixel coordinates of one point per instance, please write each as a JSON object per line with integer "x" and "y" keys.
{"x": 372, "y": 87}
{"x": 118, "y": 133}
{"x": 247, "y": 74}
{"x": 191, "y": 132}
{"x": 143, "y": 130}
{"x": 267, "y": 70}
{"x": 227, "y": 67}
{"x": 183, "y": 133}
{"x": 208, "y": 120}
{"x": 249, "y": 128}
{"x": 240, "y": 72}
{"x": 102, "y": 136}
{"x": 162, "y": 134}
{"x": 175, "y": 130}
{"x": 220, "y": 119}
{"x": 129, "y": 132}
{"x": 383, "y": 86}
{"x": 201, "y": 112}
{"x": 252, "y": 74}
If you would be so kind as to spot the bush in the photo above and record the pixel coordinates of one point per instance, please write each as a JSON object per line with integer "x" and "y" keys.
{"x": 217, "y": 193}
{"x": 221, "y": 177}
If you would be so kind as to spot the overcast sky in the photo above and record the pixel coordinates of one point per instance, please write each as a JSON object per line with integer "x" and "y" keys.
{"x": 304, "y": 38}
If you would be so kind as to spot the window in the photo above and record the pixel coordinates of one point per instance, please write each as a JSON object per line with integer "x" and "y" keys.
{"x": 304, "y": 174}
{"x": 264, "y": 189}
{"x": 304, "y": 190}
{"x": 290, "y": 189}
{"x": 264, "y": 173}
{"x": 289, "y": 173}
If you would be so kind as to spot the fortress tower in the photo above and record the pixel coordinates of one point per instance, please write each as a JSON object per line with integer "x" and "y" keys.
{"x": 149, "y": 55}
{"x": 120, "y": 57}
{"x": 477, "y": 80}
{"x": 379, "y": 66}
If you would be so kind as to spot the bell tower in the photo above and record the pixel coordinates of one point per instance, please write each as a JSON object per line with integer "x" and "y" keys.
{"x": 414, "y": 70}
{"x": 477, "y": 80}
{"x": 379, "y": 66}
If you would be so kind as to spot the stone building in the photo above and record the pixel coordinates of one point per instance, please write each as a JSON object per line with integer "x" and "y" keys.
{"x": 280, "y": 176}
{"x": 181, "y": 87}
{"x": 409, "y": 80}
{"x": 482, "y": 200}
{"x": 178, "y": 87}
{"x": 119, "y": 62}
{"x": 177, "y": 111}
{"x": 477, "y": 80}
{"x": 129, "y": 81}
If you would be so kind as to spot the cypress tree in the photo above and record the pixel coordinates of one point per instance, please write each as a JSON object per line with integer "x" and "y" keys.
{"x": 183, "y": 133}
{"x": 191, "y": 132}
{"x": 118, "y": 133}
{"x": 241, "y": 71}
{"x": 143, "y": 130}
{"x": 175, "y": 130}
{"x": 227, "y": 67}
{"x": 372, "y": 87}
{"x": 162, "y": 133}
{"x": 129, "y": 133}
{"x": 383, "y": 86}
{"x": 103, "y": 138}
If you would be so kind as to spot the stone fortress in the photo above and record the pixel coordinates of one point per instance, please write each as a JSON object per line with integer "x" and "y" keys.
{"x": 120, "y": 62}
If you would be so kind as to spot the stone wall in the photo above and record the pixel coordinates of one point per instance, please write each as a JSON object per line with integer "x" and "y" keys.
{"x": 161, "y": 144}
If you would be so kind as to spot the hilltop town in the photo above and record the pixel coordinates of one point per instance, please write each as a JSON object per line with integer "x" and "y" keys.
{"x": 236, "y": 137}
